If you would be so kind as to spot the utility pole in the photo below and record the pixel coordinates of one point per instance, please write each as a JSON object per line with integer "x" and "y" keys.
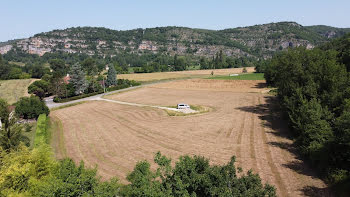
{"x": 104, "y": 85}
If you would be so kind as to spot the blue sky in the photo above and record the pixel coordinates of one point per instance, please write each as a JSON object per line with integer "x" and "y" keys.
{"x": 24, "y": 18}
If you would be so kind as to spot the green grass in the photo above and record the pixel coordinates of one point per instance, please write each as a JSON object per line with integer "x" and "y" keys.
{"x": 250, "y": 76}
{"x": 12, "y": 90}
{"x": 31, "y": 134}
{"x": 42, "y": 135}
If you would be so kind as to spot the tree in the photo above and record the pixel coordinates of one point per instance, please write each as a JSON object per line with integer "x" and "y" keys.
{"x": 36, "y": 173}
{"x": 313, "y": 90}
{"x": 204, "y": 63}
{"x": 179, "y": 63}
{"x": 39, "y": 88}
{"x": 31, "y": 107}
{"x": 90, "y": 67}
{"x": 36, "y": 70}
{"x": 193, "y": 176}
{"x": 58, "y": 67}
{"x": 111, "y": 76}
{"x": 77, "y": 78}
{"x": 4, "y": 113}
{"x": 10, "y": 131}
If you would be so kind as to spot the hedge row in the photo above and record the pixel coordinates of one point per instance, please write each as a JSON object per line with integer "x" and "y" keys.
{"x": 41, "y": 133}
{"x": 59, "y": 100}
{"x": 118, "y": 87}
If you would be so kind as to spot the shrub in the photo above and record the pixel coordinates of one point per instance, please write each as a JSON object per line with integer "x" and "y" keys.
{"x": 31, "y": 107}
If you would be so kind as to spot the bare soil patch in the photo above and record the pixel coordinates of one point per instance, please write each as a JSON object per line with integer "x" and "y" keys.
{"x": 242, "y": 123}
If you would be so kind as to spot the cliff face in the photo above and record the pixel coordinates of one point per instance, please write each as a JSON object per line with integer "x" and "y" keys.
{"x": 259, "y": 41}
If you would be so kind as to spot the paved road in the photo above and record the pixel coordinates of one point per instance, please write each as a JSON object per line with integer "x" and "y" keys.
{"x": 50, "y": 104}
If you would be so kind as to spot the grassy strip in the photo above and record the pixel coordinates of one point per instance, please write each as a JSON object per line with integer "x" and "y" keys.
{"x": 30, "y": 134}
{"x": 250, "y": 76}
{"x": 42, "y": 135}
{"x": 55, "y": 128}
{"x": 68, "y": 105}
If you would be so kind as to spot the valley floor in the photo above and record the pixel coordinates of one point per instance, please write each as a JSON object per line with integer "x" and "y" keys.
{"x": 243, "y": 122}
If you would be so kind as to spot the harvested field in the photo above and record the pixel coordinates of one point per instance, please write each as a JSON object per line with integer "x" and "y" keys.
{"x": 215, "y": 85}
{"x": 144, "y": 77}
{"x": 12, "y": 90}
{"x": 243, "y": 123}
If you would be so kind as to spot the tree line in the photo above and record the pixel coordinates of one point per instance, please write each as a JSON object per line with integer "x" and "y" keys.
{"x": 313, "y": 87}
{"x": 125, "y": 62}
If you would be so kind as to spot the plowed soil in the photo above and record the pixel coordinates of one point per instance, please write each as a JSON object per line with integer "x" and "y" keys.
{"x": 243, "y": 123}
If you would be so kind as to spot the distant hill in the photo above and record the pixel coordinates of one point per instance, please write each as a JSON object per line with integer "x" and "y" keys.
{"x": 329, "y": 32}
{"x": 259, "y": 41}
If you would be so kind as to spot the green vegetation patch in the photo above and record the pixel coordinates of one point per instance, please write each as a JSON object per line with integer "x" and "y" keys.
{"x": 68, "y": 105}
{"x": 42, "y": 135}
{"x": 250, "y": 76}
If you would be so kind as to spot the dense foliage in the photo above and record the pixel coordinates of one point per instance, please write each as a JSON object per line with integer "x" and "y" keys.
{"x": 31, "y": 107}
{"x": 193, "y": 176}
{"x": 111, "y": 76}
{"x": 77, "y": 79}
{"x": 37, "y": 173}
{"x": 10, "y": 132}
{"x": 314, "y": 90}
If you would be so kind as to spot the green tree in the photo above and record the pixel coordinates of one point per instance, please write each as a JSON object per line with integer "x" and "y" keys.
{"x": 31, "y": 107}
{"x": 179, "y": 63}
{"x": 193, "y": 176}
{"x": 58, "y": 67}
{"x": 77, "y": 79}
{"x": 10, "y": 131}
{"x": 39, "y": 88}
{"x": 204, "y": 63}
{"x": 111, "y": 76}
{"x": 90, "y": 67}
{"x": 4, "y": 113}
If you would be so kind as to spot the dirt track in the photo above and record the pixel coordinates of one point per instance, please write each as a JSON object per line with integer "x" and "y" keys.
{"x": 115, "y": 136}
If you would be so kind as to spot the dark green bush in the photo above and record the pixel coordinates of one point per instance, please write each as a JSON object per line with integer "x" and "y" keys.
{"x": 31, "y": 107}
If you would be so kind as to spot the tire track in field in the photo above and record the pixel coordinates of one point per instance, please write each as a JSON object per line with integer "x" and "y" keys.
{"x": 281, "y": 187}
{"x": 146, "y": 136}
{"x": 240, "y": 136}
{"x": 252, "y": 141}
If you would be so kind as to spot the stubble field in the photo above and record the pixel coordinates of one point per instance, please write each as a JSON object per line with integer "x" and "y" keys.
{"x": 147, "y": 77}
{"x": 243, "y": 122}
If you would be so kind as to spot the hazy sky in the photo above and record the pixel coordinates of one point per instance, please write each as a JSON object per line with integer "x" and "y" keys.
{"x": 24, "y": 18}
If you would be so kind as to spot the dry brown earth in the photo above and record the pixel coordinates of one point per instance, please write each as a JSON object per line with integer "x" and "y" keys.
{"x": 243, "y": 123}
{"x": 181, "y": 74}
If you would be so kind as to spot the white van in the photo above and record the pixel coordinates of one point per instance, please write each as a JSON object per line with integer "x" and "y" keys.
{"x": 183, "y": 106}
